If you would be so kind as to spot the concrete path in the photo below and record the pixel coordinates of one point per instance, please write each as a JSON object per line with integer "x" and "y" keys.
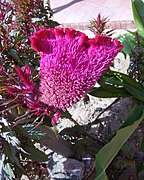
{"x": 78, "y": 13}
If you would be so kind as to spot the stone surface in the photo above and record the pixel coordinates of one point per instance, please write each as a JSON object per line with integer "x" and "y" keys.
{"x": 81, "y": 11}
{"x": 61, "y": 168}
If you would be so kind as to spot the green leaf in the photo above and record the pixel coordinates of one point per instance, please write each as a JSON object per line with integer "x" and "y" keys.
{"x": 127, "y": 79}
{"x": 10, "y": 144}
{"x": 109, "y": 92}
{"x": 135, "y": 92}
{"x": 122, "y": 80}
{"x": 110, "y": 150}
{"x": 128, "y": 41}
{"x": 52, "y": 23}
{"x": 29, "y": 132}
{"x": 121, "y": 77}
{"x": 35, "y": 154}
{"x": 10, "y": 152}
{"x": 138, "y": 14}
{"x": 55, "y": 142}
{"x": 20, "y": 38}
{"x": 14, "y": 54}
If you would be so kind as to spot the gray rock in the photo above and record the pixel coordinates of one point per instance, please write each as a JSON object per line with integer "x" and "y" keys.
{"x": 61, "y": 168}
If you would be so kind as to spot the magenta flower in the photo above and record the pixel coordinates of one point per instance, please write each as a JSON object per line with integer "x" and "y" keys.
{"x": 71, "y": 63}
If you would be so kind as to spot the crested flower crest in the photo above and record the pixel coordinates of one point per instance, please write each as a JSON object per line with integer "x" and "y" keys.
{"x": 71, "y": 63}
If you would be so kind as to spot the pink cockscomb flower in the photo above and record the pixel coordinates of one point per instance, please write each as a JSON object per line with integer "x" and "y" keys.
{"x": 71, "y": 63}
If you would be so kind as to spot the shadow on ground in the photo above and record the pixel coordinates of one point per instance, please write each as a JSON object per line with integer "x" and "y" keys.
{"x": 58, "y": 9}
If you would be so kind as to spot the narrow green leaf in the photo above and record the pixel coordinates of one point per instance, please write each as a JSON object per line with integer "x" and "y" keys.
{"x": 110, "y": 150}
{"x": 125, "y": 78}
{"x": 35, "y": 154}
{"x": 134, "y": 114}
{"x": 109, "y": 92}
{"x": 138, "y": 14}
{"x": 135, "y": 92}
{"x": 131, "y": 82}
{"x": 131, "y": 85}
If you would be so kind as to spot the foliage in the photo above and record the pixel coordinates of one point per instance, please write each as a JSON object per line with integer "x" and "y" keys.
{"x": 18, "y": 20}
{"x": 26, "y": 122}
{"x": 138, "y": 14}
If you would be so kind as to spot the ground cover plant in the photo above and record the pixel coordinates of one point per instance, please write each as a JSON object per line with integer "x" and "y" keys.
{"x": 44, "y": 70}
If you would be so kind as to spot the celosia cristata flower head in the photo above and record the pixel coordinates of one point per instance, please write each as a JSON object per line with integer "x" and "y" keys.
{"x": 71, "y": 63}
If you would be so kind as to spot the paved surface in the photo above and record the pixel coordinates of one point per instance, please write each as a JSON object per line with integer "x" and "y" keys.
{"x": 78, "y": 13}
